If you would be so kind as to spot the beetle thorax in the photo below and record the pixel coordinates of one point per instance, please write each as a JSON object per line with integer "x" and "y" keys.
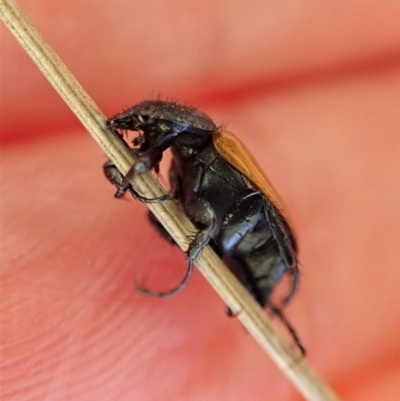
{"x": 188, "y": 146}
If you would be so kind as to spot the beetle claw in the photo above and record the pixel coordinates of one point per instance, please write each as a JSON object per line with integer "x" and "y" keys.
{"x": 122, "y": 189}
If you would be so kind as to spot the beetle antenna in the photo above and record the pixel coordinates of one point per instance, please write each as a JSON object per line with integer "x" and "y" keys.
{"x": 169, "y": 293}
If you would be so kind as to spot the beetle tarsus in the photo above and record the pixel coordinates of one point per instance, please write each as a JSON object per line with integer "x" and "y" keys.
{"x": 278, "y": 312}
{"x": 122, "y": 189}
{"x": 173, "y": 291}
{"x": 122, "y": 183}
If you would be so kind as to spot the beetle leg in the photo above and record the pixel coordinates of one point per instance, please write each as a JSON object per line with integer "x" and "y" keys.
{"x": 281, "y": 235}
{"x": 294, "y": 272}
{"x": 288, "y": 255}
{"x": 278, "y": 312}
{"x": 115, "y": 177}
{"x": 164, "y": 294}
{"x": 174, "y": 181}
{"x": 182, "y": 284}
{"x": 202, "y": 212}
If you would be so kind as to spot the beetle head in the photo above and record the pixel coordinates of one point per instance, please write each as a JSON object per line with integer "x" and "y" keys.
{"x": 162, "y": 124}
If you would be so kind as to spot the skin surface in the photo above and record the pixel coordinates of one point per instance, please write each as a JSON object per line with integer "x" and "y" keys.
{"x": 312, "y": 89}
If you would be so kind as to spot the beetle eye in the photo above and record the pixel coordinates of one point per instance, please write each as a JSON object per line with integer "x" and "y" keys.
{"x": 137, "y": 141}
{"x": 145, "y": 119}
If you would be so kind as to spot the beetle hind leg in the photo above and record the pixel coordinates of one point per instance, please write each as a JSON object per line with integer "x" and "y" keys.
{"x": 294, "y": 277}
{"x": 278, "y": 312}
{"x": 262, "y": 286}
{"x": 163, "y": 294}
{"x": 169, "y": 293}
{"x": 282, "y": 235}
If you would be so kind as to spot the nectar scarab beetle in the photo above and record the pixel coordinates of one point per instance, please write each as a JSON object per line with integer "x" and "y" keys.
{"x": 222, "y": 190}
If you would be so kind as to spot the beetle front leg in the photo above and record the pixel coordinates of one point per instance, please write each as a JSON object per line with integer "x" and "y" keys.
{"x": 115, "y": 177}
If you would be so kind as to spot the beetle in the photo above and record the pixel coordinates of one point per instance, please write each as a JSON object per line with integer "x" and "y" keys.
{"x": 222, "y": 190}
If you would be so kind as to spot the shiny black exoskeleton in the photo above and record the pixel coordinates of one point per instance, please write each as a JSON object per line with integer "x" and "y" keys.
{"x": 240, "y": 223}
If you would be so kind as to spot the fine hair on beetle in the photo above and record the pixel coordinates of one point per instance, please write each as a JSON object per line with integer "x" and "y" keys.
{"x": 222, "y": 190}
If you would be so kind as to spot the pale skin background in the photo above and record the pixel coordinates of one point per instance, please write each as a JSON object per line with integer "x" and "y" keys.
{"x": 313, "y": 88}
